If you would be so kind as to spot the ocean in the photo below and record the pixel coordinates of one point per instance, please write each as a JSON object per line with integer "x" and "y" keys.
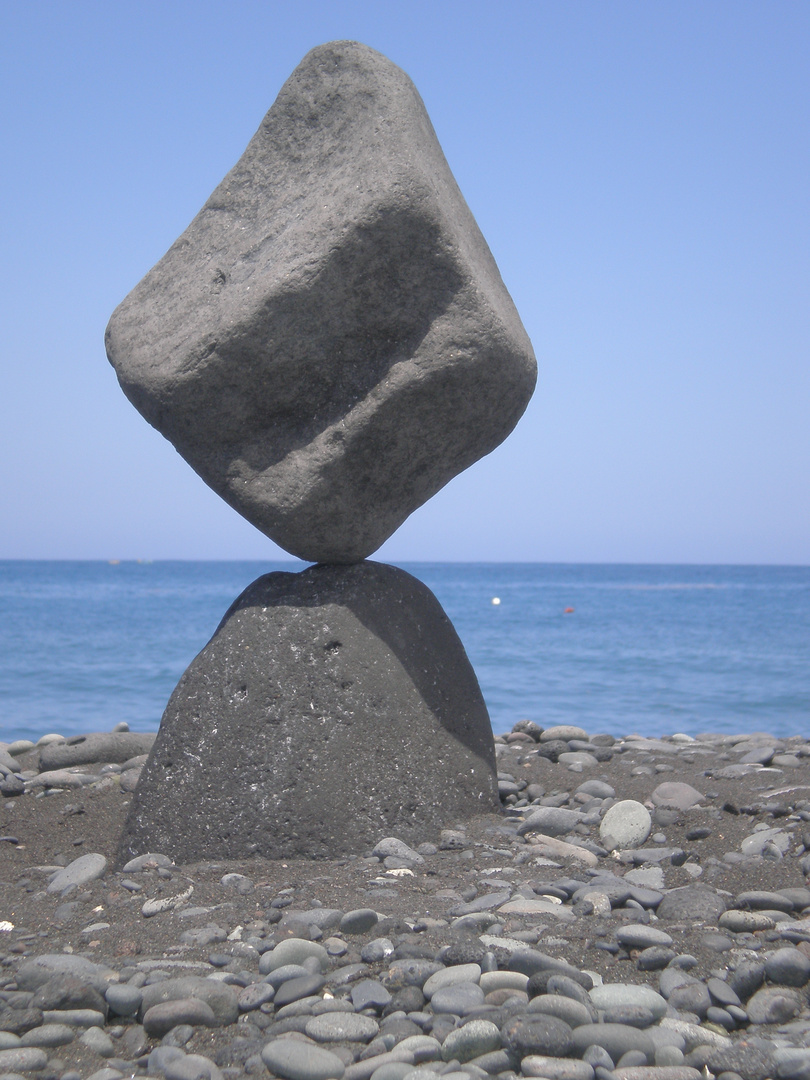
{"x": 616, "y": 648}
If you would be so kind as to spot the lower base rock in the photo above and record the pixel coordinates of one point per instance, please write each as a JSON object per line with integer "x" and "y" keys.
{"x": 331, "y": 707}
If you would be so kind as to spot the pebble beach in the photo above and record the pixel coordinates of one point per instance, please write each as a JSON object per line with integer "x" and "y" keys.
{"x": 638, "y": 910}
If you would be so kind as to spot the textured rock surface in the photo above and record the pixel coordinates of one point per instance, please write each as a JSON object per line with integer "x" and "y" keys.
{"x": 330, "y": 341}
{"x": 331, "y": 708}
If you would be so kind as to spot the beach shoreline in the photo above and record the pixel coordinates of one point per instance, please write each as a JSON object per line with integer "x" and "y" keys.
{"x": 729, "y": 835}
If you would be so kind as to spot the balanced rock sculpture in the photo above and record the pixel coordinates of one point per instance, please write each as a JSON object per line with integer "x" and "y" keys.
{"x": 331, "y": 708}
{"x": 327, "y": 344}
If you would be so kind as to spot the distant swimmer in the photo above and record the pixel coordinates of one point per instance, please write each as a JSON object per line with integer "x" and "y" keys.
{"x": 568, "y": 611}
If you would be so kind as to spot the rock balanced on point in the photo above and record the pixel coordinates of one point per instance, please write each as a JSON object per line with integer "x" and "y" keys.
{"x": 327, "y": 345}
{"x": 329, "y": 342}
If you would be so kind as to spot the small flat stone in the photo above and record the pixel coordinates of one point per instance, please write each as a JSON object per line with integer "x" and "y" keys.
{"x": 773, "y": 1005}
{"x": 556, "y": 1068}
{"x": 291, "y": 1059}
{"x": 160, "y": 1019}
{"x": 81, "y": 871}
{"x": 296, "y": 989}
{"x": 359, "y": 921}
{"x": 747, "y": 1060}
{"x": 745, "y": 922}
{"x": 370, "y": 993}
{"x": 677, "y": 795}
{"x": 610, "y": 995}
{"x": 574, "y": 1013}
{"x": 460, "y": 973}
{"x": 49, "y": 1035}
{"x": 657, "y": 1072}
{"x": 538, "y": 1034}
{"x": 757, "y": 842}
{"x": 792, "y": 1063}
{"x": 616, "y": 1039}
{"x": 761, "y": 900}
{"x": 566, "y": 732}
{"x": 115, "y": 747}
{"x": 80, "y": 1018}
{"x": 692, "y": 904}
{"x": 470, "y": 1041}
{"x": 637, "y": 1016}
{"x": 788, "y": 967}
{"x": 639, "y": 936}
{"x": 342, "y": 1027}
{"x": 551, "y": 821}
{"x": 526, "y": 905}
{"x": 459, "y": 998}
{"x": 98, "y": 1041}
{"x": 254, "y": 996}
{"x": 24, "y": 1059}
{"x": 292, "y": 951}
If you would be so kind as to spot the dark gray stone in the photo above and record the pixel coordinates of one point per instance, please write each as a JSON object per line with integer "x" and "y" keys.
{"x": 693, "y": 904}
{"x": 160, "y": 1019}
{"x": 68, "y": 992}
{"x": 546, "y": 1035}
{"x": 115, "y": 747}
{"x": 785, "y": 967}
{"x": 749, "y": 1061}
{"x": 747, "y": 978}
{"x": 220, "y": 997}
{"x": 773, "y": 1005}
{"x": 616, "y": 1039}
{"x": 330, "y": 341}
{"x": 333, "y": 700}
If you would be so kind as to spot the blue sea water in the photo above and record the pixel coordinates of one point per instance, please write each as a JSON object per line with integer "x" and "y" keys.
{"x": 648, "y": 649}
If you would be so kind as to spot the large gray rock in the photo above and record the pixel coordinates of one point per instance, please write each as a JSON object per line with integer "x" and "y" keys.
{"x": 330, "y": 341}
{"x": 331, "y": 708}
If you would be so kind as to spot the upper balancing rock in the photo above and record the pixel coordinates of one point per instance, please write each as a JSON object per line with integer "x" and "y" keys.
{"x": 329, "y": 342}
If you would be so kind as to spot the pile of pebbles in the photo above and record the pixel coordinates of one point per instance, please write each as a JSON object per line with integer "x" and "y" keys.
{"x": 639, "y": 911}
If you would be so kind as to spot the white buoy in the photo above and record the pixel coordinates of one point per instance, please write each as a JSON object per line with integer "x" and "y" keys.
{"x": 496, "y": 600}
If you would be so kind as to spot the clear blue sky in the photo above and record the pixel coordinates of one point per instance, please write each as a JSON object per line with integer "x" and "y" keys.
{"x": 639, "y": 169}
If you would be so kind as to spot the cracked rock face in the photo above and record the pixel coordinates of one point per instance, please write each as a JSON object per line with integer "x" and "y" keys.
{"x": 331, "y": 708}
{"x": 329, "y": 342}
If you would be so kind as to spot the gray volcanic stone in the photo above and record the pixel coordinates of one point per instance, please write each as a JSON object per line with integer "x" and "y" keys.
{"x": 342, "y": 1027}
{"x": 677, "y": 795}
{"x": 294, "y": 1060}
{"x": 748, "y": 1061}
{"x": 692, "y": 903}
{"x": 785, "y": 967}
{"x": 22, "y": 1059}
{"x": 79, "y": 872}
{"x": 108, "y": 746}
{"x": 220, "y": 997}
{"x": 551, "y": 821}
{"x": 773, "y": 1005}
{"x": 475, "y": 1038}
{"x": 32, "y": 974}
{"x": 330, "y": 341}
{"x": 626, "y": 824}
{"x": 355, "y": 672}
{"x": 537, "y": 1034}
{"x": 617, "y": 1039}
{"x": 160, "y": 1019}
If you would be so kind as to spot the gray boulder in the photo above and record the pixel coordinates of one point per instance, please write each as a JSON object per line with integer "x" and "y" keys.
{"x": 330, "y": 341}
{"x": 331, "y": 708}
